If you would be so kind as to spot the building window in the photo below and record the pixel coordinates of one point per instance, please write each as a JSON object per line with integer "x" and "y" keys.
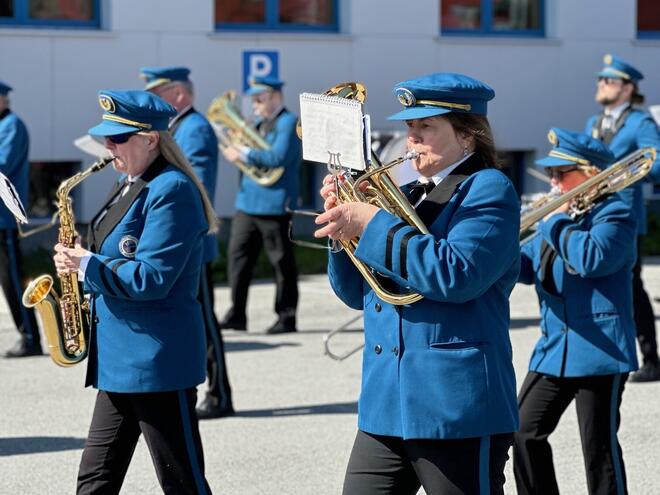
{"x": 648, "y": 19}
{"x": 45, "y": 178}
{"x": 492, "y": 17}
{"x": 50, "y": 13}
{"x": 277, "y": 15}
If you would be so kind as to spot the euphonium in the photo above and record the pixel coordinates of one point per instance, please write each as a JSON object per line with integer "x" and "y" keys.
{"x": 618, "y": 176}
{"x": 375, "y": 186}
{"x": 232, "y": 129}
{"x": 65, "y": 318}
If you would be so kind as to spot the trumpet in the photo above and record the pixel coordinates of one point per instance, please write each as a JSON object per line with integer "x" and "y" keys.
{"x": 618, "y": 176}
{"x": 233, "y": 130}
{"x": 375, "y": 186}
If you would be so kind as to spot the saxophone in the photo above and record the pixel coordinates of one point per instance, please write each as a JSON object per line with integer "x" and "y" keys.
{"x": 65, "y": 318}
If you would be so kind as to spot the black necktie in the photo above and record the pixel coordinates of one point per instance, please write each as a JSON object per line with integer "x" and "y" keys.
{"x": 418, "y": 189}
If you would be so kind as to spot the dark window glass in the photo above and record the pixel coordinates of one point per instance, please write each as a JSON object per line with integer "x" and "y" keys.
{"x": 72, "y": 10}
{"x": 460, "y": 14}
{"x": 6, "y": 8}
{"x": 648, "y": 16}
{"x": 310, "y": 12}
{"x": 45, "y": 178}
{"x": 240, "y": 11}
{"x": 513, "y": 15}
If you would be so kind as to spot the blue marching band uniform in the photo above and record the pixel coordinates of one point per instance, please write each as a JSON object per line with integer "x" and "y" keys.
{"x": 582, "y": 270}
{"x": 624, "y": 130}
{"x": 14, "y": 145}
{"x": 199, "y": 144}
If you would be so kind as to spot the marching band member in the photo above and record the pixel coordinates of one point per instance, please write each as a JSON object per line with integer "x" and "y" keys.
{"x": 261, "y": 217}
{"x": 147, "y": 347}
{"x": 582, "y": 272}
{"x": 625, "y": 128}
{"x": 195, "y": 136}
{"x": 438, "y": 404}
{"x": 14, "y": 164}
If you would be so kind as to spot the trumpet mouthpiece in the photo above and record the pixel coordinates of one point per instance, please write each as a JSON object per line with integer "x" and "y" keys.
{"x": 411, "y": 155}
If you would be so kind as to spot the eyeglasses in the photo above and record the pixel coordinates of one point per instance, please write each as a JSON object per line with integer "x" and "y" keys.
{"x": 612, "y": 80}
{"x": 554, "y": 173}
{"x": 120, "y": 138}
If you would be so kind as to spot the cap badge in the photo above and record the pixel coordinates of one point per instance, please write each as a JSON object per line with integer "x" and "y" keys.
{"x": 405, "y": 97}
{"x": 107, "y": 104}
{"x": 128, "y": 246}
{"x": 607, "y": 59}
{"x": 552, "y": 138}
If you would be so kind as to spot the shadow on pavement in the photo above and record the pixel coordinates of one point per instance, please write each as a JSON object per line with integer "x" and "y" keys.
{"x": 338, "y": 408}
{"x": 234, "y": 346}
{"x": 32, "y": 445}
{"x": 517, "y": 323}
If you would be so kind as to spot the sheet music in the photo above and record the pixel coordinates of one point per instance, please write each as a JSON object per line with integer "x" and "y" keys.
{"x": 332, "y": 125}
{"x": 11, "y": 200}
{"x": 91, "y": 146}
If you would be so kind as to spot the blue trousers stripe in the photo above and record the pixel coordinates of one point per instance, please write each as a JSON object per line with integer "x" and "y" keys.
{"x": 614, "y": 444}
{"x": 190, "y": 444}
{"x": 484, "y": 466}
{"x": 16, "y": 282}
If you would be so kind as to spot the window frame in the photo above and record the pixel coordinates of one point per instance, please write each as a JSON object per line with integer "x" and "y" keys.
{"x": 21, "y": 18}
{"x": 486, "y": 29}
{"x": 644, "y": 35}
{"x": 272, "y": 24}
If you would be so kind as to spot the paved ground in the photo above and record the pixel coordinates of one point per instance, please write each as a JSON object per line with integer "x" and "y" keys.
{"x": 296, "y": 409}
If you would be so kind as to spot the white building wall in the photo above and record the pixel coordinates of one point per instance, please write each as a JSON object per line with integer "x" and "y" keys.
{"x": 539, "y": 82}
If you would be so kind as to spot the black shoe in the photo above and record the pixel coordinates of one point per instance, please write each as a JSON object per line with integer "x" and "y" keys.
{"x": 282, "y": 326}
{"x": 209, "y": 409}
{"x": 650, "y": 372}
{"x": 233, "y": 324}
{"x": 22, "y": 349}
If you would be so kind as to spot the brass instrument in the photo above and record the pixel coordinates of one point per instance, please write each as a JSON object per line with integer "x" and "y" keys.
{"x": 620, "y": 175}
{"x": 233, "y": 130}
{"x": 375, "y": 186}
{"x": 65, "y": 318}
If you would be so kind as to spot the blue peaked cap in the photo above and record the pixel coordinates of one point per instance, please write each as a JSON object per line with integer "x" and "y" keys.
{"x": 575, "y": 148}
{"x": 262, "y": 84}
{"x": 157, "y": 76}
{"x": 131, "y": 111}
{"x": 4, "y": 89}
{"x": 441, "y": 93}
{"x": 620, "y": 69}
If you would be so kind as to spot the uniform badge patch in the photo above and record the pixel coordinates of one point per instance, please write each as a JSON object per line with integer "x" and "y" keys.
{"x": 128, "y": 245}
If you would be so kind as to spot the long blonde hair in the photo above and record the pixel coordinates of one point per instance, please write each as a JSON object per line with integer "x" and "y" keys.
{"x": 172, "y": 153}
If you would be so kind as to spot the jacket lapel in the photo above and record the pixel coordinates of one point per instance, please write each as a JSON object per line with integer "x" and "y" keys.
{"x": 117, "y": 211}
{"x": 432, "y": 206}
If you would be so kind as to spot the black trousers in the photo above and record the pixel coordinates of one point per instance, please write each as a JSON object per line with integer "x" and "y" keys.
{"x": 216, "y": 366}
{"x": 169, "y": 425}
{"x": 382, "y": 465}
{"x": 11, "y": 278}
{"x": 643, "y": 311}
{"x": 542, "y": 401}
{"x": 248, "y": 234}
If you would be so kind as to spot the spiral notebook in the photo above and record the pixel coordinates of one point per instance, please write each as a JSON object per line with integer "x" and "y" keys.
{"x": 334, "y": 130}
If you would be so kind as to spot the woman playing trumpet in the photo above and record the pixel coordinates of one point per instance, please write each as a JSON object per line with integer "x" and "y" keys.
{"x": 438, "y": 406}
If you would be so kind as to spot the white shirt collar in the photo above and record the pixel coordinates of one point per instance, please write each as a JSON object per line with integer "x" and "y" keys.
{"x": 437, "y": 178}
{"x": 616, "y": 112}
{"x": 178, "y": 115}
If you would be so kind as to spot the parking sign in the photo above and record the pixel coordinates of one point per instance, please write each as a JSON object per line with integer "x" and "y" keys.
{"x": 259, "y": 64}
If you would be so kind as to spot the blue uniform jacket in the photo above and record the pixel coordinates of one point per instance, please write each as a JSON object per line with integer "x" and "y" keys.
{"x": 639, "y": 130}
{"x": 441, "y": 367}
{"x": 147, "y": 333}
{"x": 14, "y": 146}
{"x": 285, "y": 151}
{"x": 199, "y": 144}
{"x": 585, "y": 297}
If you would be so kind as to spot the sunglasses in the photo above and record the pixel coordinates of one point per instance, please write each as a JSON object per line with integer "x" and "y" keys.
{"x": 120, "y": 138}
{"x": 612, "y": 80}
{"x": 558, "y": 174}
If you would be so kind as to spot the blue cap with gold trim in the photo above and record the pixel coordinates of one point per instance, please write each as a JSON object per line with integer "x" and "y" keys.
{"x": 441, "y": 93}
{"x": 575, "y": 148}
{"x": 131, "y": 111}
{"x": 263, "y": 84}
{"x": 620, "y": 69}
{"x": 4, "y": 89}
{"x": 157, "y": 76}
